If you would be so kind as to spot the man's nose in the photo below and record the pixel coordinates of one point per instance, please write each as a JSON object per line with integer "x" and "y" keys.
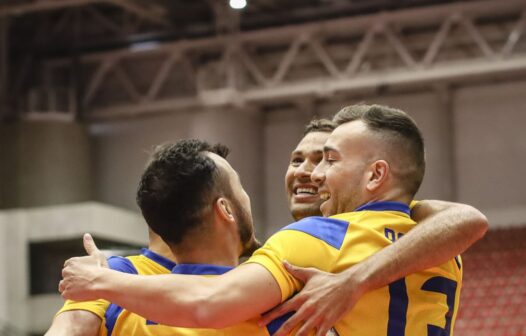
{"x": 304, "y": 170}
{"x": 318, "y": 174}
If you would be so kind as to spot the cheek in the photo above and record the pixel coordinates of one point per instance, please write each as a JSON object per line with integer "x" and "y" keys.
{"x": 289, "y": 177}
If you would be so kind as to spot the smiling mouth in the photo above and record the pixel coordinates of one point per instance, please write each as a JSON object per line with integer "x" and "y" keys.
{"x": 305, "y": 191}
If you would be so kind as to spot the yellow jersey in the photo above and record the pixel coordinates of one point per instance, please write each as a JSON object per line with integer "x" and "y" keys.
{"x": 421, "y": 304}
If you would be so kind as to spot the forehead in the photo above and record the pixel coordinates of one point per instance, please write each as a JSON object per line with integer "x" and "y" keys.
{"x": 311, "y": 142}
{"x": 354, "y": 133}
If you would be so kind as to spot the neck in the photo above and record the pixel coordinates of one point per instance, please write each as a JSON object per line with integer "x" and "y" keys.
{"x": 391, "y": 195}
{"x": 158, "y": 246}
{"x": 204, "y": 255}
{"x": 207, "y": 249}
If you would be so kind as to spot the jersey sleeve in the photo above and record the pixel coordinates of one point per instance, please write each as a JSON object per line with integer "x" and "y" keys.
{"x": 312, "y": 242}
{"x": 98, "y": 307}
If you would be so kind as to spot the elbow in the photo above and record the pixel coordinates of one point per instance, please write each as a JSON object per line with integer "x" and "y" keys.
{"x": 201, "y": 312}
{"x": 210, "y": 313}
{"x": 478, "y": 223}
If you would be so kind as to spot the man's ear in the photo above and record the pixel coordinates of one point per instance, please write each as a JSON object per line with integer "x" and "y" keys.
{"x": 224, "y": 209}
{"x": 379, "y": 171}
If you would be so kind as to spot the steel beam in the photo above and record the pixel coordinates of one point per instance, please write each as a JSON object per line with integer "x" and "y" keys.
{"x": 407, "y": 47}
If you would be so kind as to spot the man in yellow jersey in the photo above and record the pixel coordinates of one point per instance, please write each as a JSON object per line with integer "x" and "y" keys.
{"x": 444, "y": 230}
{"x": 193, "y": 198}
{"x": 204, "y": 242}
{"x": 369, "y": 166}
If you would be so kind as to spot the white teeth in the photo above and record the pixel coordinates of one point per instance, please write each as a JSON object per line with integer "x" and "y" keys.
{"x": 310, "y": 191}
{"x": 325, "y": 196}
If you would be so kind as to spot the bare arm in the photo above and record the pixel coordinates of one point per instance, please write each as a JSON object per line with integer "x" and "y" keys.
{"x": 75, "y": 323}
{"x": 444, "y": 231}
{"x": 177, "y": 300}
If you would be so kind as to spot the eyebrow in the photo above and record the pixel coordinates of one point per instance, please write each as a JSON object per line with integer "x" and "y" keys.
{"x": 329, "y": 149}
{"x": 296, "y": 152}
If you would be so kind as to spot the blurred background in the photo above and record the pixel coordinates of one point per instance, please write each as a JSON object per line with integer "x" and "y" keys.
{"x": 88, "y": 87}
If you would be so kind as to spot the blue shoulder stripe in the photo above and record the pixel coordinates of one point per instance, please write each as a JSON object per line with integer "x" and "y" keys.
{"x": 121, "y": 264}
{"x": 112, "y": 313}
{"x": 330, "y": 230}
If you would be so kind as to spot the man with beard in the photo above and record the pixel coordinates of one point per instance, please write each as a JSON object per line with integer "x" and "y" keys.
{"x": 191, "y": 196}
{"x": 373, "y": 165}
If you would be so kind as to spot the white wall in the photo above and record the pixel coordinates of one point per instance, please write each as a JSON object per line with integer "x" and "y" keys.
{"x": 491, "y": 149}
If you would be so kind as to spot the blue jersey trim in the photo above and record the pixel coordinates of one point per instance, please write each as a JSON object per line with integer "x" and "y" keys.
{"x": 275, "y": 324}
{"x": 112, "y": 313}
{"x": 330, "y": 230}
{"x": 164, "y": 262}
{"x": 200, "y": 269}
{"x": 121, "y": 264}
{"x": 386, "y": 206}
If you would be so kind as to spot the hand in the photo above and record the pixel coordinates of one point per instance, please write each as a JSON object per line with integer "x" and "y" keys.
{"x": 323, "y": 301}
{"x": 80, "y": 273}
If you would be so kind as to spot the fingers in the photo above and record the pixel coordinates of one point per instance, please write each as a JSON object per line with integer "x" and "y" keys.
{"x": 323, "y": 330}
{"x": 300, "y": 273}
{"x": 282, "y": 309}
{"x": 89, "y": 245}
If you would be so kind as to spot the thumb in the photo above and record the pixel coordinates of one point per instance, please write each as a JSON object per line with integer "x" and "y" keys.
{"x": 300, "y": 273}
{"x": 89, "y": 245}
{"x": 93, "y": 250}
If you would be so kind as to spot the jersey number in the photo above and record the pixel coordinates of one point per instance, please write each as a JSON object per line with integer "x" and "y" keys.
{"x": 399, "y": 302}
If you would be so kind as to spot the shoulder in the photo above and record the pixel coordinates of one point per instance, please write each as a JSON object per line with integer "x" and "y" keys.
{"x": 330, "y": 230}
{"x": 121, "y": 264}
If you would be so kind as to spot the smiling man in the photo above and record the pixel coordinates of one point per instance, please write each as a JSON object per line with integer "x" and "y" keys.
{"x": 374, "y": 199}
{"x": 302, "y": 192}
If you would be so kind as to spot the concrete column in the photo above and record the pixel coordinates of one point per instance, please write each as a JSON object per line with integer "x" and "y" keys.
{"x": 43, "y": 163}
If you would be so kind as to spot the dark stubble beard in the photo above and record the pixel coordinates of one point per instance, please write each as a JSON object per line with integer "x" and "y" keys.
{"x": 245, "y": 230}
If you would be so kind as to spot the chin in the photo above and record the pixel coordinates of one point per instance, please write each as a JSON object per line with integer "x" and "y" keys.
{"x": 299, "y": 213}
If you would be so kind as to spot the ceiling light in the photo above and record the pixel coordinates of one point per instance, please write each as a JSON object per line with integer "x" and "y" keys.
{"x": 238, "y": 4}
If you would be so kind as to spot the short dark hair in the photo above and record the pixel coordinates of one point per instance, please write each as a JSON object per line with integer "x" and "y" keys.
{"x": 178, "y": 185}
{"x": 399, "y": 128}
{"x": 319, "y": 125}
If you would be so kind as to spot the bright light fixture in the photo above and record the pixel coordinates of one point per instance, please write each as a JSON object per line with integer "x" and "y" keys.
{"x": 238, "y": 4}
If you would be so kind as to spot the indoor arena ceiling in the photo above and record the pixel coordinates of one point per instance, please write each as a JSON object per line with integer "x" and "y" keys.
{"x": 60, "y": 27}
{"x": 98, "y": 59}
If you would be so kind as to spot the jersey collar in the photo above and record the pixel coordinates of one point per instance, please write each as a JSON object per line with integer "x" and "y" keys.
{"x": 200, "y": 269}
{"x": 386, "y": 206}
{"x": 165, "y": 262}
